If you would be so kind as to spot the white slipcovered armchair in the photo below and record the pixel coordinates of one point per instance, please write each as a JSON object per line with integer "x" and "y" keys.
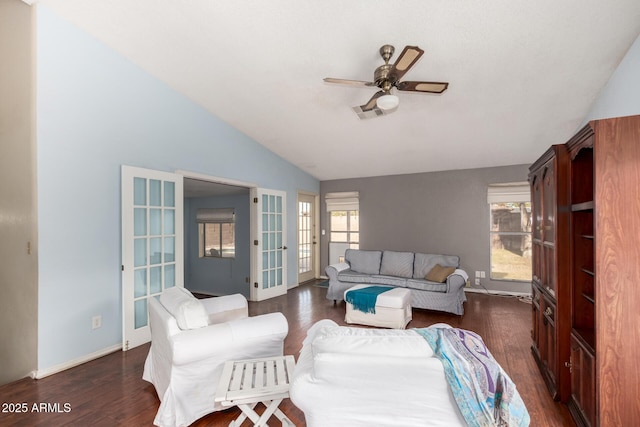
{"x": 191, "y": 339}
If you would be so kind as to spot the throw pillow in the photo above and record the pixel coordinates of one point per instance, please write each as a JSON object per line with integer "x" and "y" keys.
{"x": 439, "y": 273}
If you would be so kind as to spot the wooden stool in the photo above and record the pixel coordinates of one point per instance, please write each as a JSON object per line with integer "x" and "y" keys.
{"x": 245, "y": 383}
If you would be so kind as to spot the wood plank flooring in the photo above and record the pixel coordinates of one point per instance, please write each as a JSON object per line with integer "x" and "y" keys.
{"x": 110, "y": 391}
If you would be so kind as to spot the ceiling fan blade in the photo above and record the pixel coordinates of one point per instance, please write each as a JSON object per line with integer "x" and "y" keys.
{"x": 348, "y": 82}
{"x": 430, "y": 87}
{"x": 370, "y": 109}
{"x": 408, "y": 57}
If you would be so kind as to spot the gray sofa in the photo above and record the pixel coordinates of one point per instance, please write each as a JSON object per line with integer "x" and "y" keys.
{"x": 401, "y": 269}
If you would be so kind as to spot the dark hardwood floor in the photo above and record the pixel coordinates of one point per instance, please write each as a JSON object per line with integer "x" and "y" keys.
{"x": 110, "y": 391}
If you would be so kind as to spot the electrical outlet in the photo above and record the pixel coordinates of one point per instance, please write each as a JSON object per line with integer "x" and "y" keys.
{"x": 482, "y": 274}
{"x": 477, "y": 273}
{"x": 96, "y": 322}
{"x": 477, "y": 281}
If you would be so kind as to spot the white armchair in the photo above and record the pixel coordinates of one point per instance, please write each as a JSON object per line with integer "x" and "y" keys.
{"x": 190, "y": 341}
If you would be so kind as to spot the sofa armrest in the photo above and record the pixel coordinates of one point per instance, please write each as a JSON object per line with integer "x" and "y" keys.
{"x": 225, "y": 308}
{"x": 457, "y": 280}
{"x": 229, "y": 340}
{"x": 333, "y": 269}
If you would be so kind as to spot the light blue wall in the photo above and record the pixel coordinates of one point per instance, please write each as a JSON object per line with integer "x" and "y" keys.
{"x": 218, "y": 276}
{"x": 621, "y": 96}
{"x": 97, "y": 111}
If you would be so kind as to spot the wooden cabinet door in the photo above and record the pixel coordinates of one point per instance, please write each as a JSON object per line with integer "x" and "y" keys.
{"x": 583, "y": 382}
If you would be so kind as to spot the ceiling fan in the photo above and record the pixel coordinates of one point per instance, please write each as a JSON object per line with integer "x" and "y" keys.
{"x": 386, "y": 77}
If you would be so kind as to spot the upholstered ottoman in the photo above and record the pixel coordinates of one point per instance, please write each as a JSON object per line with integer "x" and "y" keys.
{"x": 392, "y": 309}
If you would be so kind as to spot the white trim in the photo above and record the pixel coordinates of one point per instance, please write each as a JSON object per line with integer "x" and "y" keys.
{"x": 39, "y": 374}
{"x": 216, "y": 179}
{"x": 494, "y": 292}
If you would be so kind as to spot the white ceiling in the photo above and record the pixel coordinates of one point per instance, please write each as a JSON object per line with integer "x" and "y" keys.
{"x": 522, "y": 74}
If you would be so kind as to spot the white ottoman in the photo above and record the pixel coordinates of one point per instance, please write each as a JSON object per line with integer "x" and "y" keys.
{"x": 393, "y": 309}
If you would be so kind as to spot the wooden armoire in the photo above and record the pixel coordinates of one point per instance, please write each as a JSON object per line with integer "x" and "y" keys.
{"x": 586, "y": 271}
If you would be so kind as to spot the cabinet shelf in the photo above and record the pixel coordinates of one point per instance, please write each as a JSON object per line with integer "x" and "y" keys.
{"x": 589, "y": 297}
{"x": 587, "y": 271}
{"x": 586, "y": 337}
{"x": 585, "y": 206}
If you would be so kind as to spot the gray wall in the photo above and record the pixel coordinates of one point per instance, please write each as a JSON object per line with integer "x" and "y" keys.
{"x": 18, "y": 228}
{"x": 218, "y": 276}
{"x": 436, "y": 212}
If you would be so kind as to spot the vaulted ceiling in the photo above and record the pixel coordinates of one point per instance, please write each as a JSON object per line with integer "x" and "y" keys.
{"x": 522, "y": 74}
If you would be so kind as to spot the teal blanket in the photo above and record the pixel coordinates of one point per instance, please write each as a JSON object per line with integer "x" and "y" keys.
{"x": 484, "y": 393}
{"x": 365, "y": 299}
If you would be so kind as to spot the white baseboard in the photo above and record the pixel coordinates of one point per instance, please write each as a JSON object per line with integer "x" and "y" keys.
{"x": 41, "y": 373}
{"x": 494, "y": 292}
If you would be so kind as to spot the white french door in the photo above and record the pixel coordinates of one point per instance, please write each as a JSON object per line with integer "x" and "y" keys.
{"x": 152, "y": 245}
{"x": 307, "y": 243}
{"x": 269, "y": 244}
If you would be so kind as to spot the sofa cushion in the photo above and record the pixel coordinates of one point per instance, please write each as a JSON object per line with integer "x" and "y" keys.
{"x": 425, "y": 285}
{"x": 367, "y": 262}
{"x": 423, "y": 263}
{"x": 398, "y": 264}
{"x": 185, "y": 308}
{"x": 439, "y": 273}
{"x": 350, "y": 276}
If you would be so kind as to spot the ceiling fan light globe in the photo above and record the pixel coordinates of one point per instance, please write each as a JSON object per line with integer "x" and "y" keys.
{"x": 387, "y": 102}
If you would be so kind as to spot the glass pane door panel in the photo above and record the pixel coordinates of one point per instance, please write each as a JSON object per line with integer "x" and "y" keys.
{"x": 140, "y": 313}
{"x": 169, "y": 249}
{"x": 139, "y": 191}
{"x": 169, "y": 221}
{"x": 155, "y": 250}
{"x": 155, "y": 222}
{"x": 155, "y": 284}
{"x": 140, "y": 282}
{"x": 169, "y": 194}
{"x": 140, "y": 252}
{"x": 169, "y": 276}
{"x": 140, "y": 222}
{"x": 155, "y": 192}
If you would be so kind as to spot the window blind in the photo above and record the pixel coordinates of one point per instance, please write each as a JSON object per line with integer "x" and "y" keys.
{"x": 517, "y": 192}
{"x": 342, "y": 201}
{"x": 215, "y": 215}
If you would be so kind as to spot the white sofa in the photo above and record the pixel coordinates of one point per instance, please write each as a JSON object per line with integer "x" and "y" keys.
{"x": 347, "y": 376}
{"x": 191, "y": 340}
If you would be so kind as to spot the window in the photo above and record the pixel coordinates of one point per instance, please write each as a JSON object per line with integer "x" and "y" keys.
{"x": 345, "y": 227}
{"x": 510, "y": 231}
{"x": 216, "y": 231}
{"x": 344, "y": 223}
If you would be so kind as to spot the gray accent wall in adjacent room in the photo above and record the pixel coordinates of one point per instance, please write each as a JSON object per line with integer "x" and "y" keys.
{"x": 217, "y": 276}
{"x": 435, "y": 212}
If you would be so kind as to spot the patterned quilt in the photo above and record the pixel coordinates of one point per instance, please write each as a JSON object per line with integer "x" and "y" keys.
{"x": 484, "y": 393}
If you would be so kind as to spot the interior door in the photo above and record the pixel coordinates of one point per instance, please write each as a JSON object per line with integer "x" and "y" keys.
{"x": 307, "y": 242}
{"x": 269, "y": 245}
{"x": 152, "y": 245}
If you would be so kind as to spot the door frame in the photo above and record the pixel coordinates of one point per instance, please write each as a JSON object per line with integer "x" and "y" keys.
{"x": 315, "y": 230}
